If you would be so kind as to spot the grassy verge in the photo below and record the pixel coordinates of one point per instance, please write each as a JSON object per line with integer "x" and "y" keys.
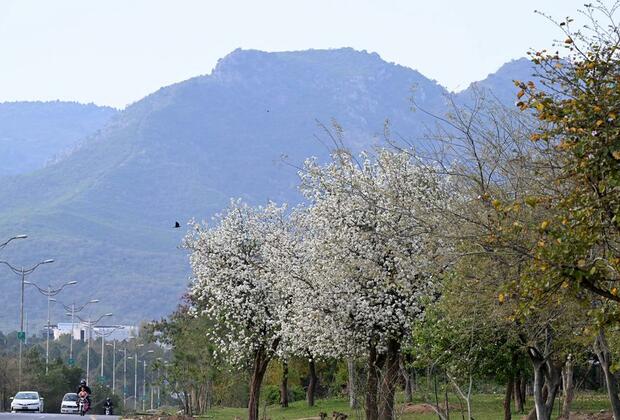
{"x": 485, "y": 407}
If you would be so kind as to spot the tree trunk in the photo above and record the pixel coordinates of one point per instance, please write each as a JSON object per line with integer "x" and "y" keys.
{"x": 312, "y": 382}
{"x": 519, "y": 394}
{"x": 351, "y": 383}
{"x": 261, "y": 360}
{"x": 284, "y": 386}
{"x": 508, "y": 398}
{"x": 538, "y": 362}
{"x": 604, "y": 356}
{"x": 531, "y": 415}
{"x": 408, "y": 386}
{"x": 459, "y": 390}
{"x": 569, "y": 387}
{"x": 375, "y": 363}
{"x": 388, "y": 385}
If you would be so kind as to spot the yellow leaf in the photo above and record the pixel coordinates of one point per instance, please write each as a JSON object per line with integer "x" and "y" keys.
{"x": 614, "y": 291}
{"x": 599, "y": 122}
{"x": 501, "y": 298}
{"x": 544, "y": 225}
{"x": 496, "y": 203}
{"x": 520, "y": 93}
{"x": 616, "y": 154}
{"x": 581, "y": 263}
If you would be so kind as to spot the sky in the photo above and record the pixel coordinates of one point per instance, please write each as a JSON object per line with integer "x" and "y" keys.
{"x": 115, "y": 52}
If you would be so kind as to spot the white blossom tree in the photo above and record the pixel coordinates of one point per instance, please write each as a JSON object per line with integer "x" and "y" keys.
{"x": 370, "y": 254}
{"x": 236, "y": 286}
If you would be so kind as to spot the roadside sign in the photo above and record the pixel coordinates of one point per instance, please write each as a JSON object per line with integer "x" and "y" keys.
{"x": 71, "y": 362}
{"x": 21, "y": 335}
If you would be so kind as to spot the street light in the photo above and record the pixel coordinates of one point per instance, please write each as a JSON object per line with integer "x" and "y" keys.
{"x": 103, "y": 336}
{"x": 90, "y": 323}
{"x": 49, "y": 292}
{"x": 71, "y": 308}
{"x": 5, "y": 243}
{"x": 22, "y": 272}
{"x": 144, "y": 380}
{"x": 113, "y": 345}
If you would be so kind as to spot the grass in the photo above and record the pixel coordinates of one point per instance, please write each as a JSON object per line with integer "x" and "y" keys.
{"x": 484, "y": 407}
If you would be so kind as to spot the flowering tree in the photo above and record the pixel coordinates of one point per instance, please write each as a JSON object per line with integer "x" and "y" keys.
{"x": 370, "y": 254}
{"x": 236, "y": 287}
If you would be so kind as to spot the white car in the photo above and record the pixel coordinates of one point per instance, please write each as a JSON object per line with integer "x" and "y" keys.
{"x": 27, "y": 401}
{"x": 69, "y": 403}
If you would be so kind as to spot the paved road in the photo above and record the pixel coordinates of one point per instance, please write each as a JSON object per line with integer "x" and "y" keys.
{"x": 51, "y": 416}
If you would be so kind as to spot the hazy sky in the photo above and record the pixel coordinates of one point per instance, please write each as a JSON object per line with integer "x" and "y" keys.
{"x": 114, "y": 52}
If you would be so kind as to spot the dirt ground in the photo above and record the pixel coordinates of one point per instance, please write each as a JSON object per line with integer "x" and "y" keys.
{"x": 592, "y": 416}
{"x": 422, "y": 408}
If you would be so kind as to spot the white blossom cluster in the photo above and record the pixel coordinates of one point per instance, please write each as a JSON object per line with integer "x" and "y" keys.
{"x": 233, "y": 282}
{"x": 371, "y": 247}
{"x": 346, "y": 272}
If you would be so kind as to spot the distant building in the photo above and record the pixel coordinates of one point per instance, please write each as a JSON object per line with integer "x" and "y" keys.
{"x": 80, "y": 331}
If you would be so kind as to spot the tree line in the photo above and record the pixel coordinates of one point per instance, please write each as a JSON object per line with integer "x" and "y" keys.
{"x": 489, "y": 250}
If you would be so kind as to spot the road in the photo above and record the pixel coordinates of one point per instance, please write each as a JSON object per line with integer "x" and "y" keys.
{"x": 52, "y": 416}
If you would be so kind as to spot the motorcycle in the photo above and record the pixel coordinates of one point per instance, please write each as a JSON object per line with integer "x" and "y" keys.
{"x": 108, "y": 411}
{"x": 82, "y": 405}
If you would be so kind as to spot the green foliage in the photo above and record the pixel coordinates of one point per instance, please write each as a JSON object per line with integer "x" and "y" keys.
{"x": 577, "y": 106}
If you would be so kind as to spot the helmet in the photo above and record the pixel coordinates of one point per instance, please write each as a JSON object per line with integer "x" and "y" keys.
{"x": 83, "y": 382}
{"x": 107, "y": 399}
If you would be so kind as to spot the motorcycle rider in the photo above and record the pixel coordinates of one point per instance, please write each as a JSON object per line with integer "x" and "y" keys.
{"x": 108, "y": 404}
{"x": 83, "y": 388}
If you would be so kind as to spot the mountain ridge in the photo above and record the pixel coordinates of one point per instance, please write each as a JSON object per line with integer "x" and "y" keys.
{"x": 106, "y": 210}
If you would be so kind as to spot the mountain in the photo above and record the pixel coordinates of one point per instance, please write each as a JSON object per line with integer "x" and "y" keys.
{"x": 500, "y": 85}
{"x": 105, "y": 212}
{"x": 33, "y": 134}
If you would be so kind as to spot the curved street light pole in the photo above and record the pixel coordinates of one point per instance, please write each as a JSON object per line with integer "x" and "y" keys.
{"x": 23, "y": 272}
{"x": 103, "y": 335}
{"x": 5, "y": 243}
{"x": 135, "y": 377}
{"x": 73, "y": 310}
{"x": 49, "y": 293}
{"x": 144, "y": 380}
{"x": 113, "y": 345}
{"x": 90, "y": 323}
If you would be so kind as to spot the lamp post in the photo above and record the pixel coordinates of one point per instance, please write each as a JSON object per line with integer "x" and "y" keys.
{"x": 90, "y": 323}
{"x": 113, "y": 345}
{"x": 125, "y": 374}
{"x": 73, "y": 310}
{"x": 103, "y": 335}
{"x": 49, "y": 293}
{"x": 22, "y": 272}
{"x": 135, "y": 379}
{"x": 144, "y": 380}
